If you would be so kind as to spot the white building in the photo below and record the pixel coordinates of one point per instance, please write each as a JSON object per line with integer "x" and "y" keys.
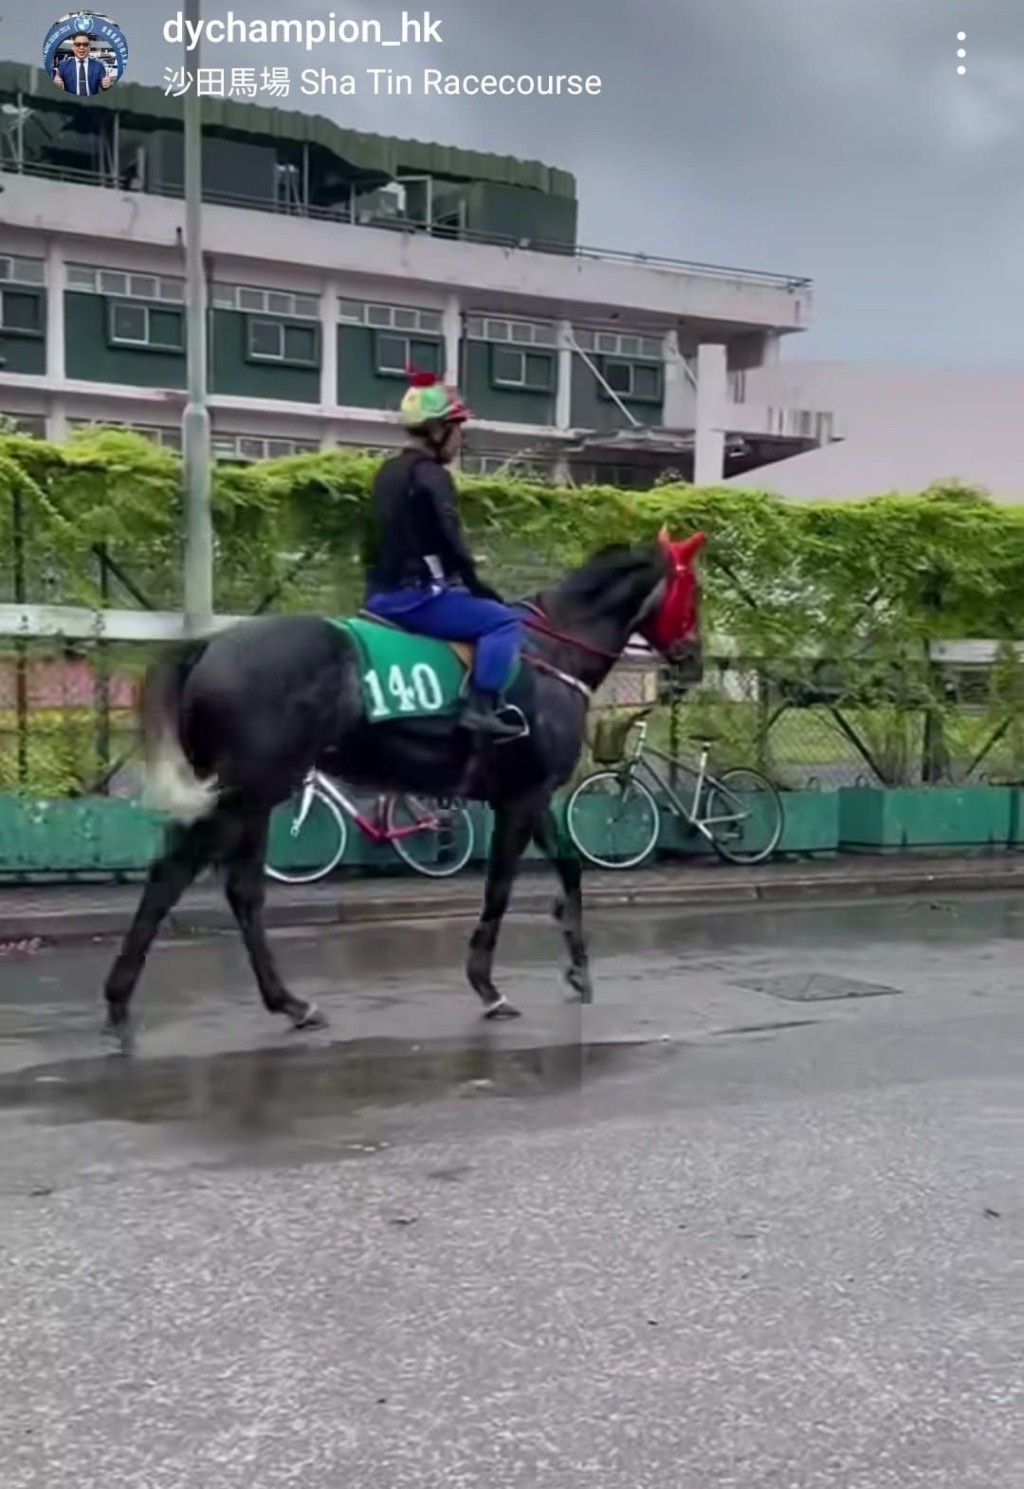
{"x": 897, "y": 429}
{"x": 334, "y": 260}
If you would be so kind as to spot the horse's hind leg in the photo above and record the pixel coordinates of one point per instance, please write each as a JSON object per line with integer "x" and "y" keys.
{"x": 569, "y": 905}
{"x": 246, "y": 889}
{"x": 188, "y": 851}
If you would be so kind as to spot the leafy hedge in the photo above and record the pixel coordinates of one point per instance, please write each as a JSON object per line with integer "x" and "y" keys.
{"x": 831, "y": 602}
{"x": 875, "y": 575}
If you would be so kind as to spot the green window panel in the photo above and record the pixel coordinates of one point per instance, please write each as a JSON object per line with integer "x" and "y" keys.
{"x": 530, "y": 372}
{"x": 395, "y": 354}
{"x": 269, "y": 340}
{"x": 641, "y": 382}
{"x": 23, "y": 330}
{"x": 131, "y": 323}
{"x": 373, "y": 363}
{"x": 21, "y": 313}
{"x": 98, "y": 351}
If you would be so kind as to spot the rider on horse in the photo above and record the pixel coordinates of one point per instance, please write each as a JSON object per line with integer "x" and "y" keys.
{"x": 420, "y": 573}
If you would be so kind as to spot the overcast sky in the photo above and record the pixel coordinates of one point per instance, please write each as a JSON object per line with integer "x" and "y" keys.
{"x": 831, "y": 138}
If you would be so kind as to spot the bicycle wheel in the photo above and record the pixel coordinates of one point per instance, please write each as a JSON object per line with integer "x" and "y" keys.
{"x": 305, "y": 846}
{"x": 434, "y": 838}
{"x": 750, "y": 814}
{"x": 613, "y": 820}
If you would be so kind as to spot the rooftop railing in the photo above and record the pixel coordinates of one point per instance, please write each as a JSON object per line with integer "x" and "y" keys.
{"x": 343, "y": 214}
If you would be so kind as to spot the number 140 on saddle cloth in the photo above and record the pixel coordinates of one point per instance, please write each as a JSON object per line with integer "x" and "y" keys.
{"x": 405, "y": 676}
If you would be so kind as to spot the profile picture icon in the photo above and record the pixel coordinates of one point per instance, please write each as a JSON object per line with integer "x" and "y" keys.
{"x": 85, "y": 53}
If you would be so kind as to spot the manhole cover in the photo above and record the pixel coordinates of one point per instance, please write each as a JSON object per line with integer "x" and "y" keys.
{"x": 816, "y": 987}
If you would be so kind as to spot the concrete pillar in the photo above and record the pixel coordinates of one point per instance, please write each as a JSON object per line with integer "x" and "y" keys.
{"x": 57, "y": 422}
{"x": 560, "y": 472}
{"x": 770, "y": 349}
{"x": 712, "y": 388}
{"x": 56, "y": 283}
{"x": 452, "y": 324}
{"x": 563, "y": 395}
{"x": 329, "y": 342}
{"x": 677, "y": 409}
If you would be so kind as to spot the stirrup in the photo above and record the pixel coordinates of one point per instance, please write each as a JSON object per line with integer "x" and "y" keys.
{"x": 524, "y": 731}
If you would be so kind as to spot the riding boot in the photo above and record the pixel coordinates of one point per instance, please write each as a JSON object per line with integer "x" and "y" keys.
{"x": 481, "y": 716}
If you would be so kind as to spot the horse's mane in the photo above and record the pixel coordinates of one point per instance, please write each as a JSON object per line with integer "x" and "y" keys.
{"x": 605, "y": 571}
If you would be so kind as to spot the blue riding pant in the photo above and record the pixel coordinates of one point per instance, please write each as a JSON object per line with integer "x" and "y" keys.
{"x": 455, "y": 615}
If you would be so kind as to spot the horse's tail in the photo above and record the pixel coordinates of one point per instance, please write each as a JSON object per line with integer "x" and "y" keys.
{"x": 171, "y": 784}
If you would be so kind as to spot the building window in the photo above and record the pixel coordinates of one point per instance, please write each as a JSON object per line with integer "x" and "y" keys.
{"x": 31, "y": 424}
{"x": 170, "y": 439}
{"x": 509, "y": 464}
{"x": 17, "y": 270}
{"x": 245, "y": 447}
{"x": 265, "y": 302}
{"x": 533, "y": 372}
{"x": 160, "y": 434}
{"x": 391, "y": 317}
{"x": 275, "y": 341}
{"x": 640, "y": 381}
{"x": 519, "y": 333}
{"x": 625, "y": 477}
{"x": 619, "y": 344}
{"x": 119, "y": 284}
{"x": 396, "y": 354}
{"x": 21, "y": 313}
{"x": 149, "y": 326}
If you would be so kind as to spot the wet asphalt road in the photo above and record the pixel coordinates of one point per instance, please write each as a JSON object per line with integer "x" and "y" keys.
{"x": 700, "y": 1235}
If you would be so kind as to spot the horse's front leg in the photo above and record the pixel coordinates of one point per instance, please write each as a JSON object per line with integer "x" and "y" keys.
{"x": 513, "y": 826}
{"x": 555, "y": 846}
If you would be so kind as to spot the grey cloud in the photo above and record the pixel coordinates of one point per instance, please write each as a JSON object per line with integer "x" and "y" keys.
{"x": 831, "y": 139}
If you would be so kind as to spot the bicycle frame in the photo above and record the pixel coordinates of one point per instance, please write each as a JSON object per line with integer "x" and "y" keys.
{"x": 638, "y": 762}
{"x": 376, "y": 831}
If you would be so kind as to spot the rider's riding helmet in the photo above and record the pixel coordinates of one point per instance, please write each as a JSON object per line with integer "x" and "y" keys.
{"x": 429, "y": 404}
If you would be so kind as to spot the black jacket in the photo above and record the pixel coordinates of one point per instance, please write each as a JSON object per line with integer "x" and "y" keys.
{"x": 413, "y": 516}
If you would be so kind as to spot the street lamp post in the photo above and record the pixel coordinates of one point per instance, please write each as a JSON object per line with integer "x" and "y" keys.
{"x": 195, "y": 430}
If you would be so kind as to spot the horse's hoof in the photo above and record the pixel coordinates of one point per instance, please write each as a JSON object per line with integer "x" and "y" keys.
{"x": 119, "y": 1032}
{"x": 312, "y": 1018}
{"x": 578, "y": 979}
{"x": 501, "y": 1010}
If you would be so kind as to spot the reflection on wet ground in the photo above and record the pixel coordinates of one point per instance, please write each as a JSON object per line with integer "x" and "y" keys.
{"x": 274, "y": 1089}
{"x": 212, "y": 1063}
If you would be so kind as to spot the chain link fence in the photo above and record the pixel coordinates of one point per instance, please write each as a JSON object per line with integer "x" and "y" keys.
{"x": 964, "y": 728}
{"x": 67, "y": 725}
{"x": 67, "y": 722}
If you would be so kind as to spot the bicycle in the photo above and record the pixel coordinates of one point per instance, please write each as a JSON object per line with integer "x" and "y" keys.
{"x": 446, "y": 832}
{"x": 719, "y": 808}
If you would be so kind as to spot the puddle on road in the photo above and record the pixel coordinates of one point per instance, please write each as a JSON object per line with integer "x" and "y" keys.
{"x": 271, "y": 1089}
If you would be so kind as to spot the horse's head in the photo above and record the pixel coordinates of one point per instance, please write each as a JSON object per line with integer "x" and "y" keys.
{"x": 632, "y": 589}
{"x": 672, "y": 622}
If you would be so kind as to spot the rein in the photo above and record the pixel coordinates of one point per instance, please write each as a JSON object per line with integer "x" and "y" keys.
{"x": 542, "y": 665}
{"x": 548, "y": 630}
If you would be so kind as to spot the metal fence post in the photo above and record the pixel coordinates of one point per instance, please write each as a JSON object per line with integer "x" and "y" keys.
{"x": 198, "y": 575}
{"x": 20, "y": 646}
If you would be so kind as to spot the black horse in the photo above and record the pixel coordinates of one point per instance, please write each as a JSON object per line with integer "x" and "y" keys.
{"x": 232, "y": 724}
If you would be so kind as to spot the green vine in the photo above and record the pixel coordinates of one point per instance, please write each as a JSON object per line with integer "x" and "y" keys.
{"x": 829, "y": 607}
{"x": 780, "y": 579}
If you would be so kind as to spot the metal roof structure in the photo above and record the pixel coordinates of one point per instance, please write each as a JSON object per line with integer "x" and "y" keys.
{"x": 374, "y": 157}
